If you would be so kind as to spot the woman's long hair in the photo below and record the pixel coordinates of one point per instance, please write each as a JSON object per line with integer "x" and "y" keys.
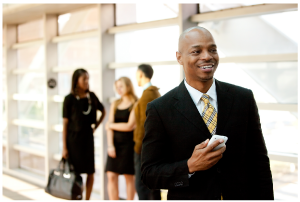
{"x": 130, "y": 92}
{"x": 77, "y": 73}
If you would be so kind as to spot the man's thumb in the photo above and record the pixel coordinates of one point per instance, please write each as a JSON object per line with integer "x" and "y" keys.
{"x": 202, "y": 144}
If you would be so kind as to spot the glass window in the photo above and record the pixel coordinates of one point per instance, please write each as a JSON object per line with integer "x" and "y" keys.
{"x": 78, "y": 21}
{"x": 3, "y": 155}
{"x": 3, "y": 37}
{"x": 254, "y": 35}
{"x": 209, "y": 7}
{"x": 31, "y": 83}
{"x": 143, "y": 12}
{"x": 31, "y": 110}
{"x": 32, "y": 137}
{"x": 31, "y": 58}
{"x": 274, "y": 125}
{"x": 270, "y": 82}
{"x": 285, "y": 180}
{"x": 30, "y": 30}
{"x": 79, "y": 52}
{"x": 158, "y": 44}
{"x": 32, "y": 163}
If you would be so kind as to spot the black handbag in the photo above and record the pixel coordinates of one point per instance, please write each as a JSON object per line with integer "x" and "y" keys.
{"x": 64, "y": 182}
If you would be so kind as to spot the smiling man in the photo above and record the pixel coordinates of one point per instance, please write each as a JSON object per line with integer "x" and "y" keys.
{"x": 175, "y": 155}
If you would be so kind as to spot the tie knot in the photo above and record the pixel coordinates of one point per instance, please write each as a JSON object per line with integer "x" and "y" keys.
{"x": 205, "y": 98}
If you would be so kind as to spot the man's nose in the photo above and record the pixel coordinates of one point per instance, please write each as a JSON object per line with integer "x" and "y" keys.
{"x": 205, "y": 55}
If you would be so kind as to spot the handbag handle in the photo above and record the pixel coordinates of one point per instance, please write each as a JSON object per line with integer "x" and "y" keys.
{"x": 66, "y": 168}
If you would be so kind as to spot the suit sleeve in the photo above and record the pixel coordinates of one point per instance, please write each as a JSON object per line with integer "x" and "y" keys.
{"x": 257, "y": 156}
{"x": 158, "y": 171}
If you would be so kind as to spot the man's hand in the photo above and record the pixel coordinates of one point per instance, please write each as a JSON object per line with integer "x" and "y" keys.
{"x": 203, "y": 157}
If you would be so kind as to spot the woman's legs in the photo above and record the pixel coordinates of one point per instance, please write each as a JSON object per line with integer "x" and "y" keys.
{"x": 89, "y": 185}
{"x": 130, "y": 187}
{"x": 112, "y": 185}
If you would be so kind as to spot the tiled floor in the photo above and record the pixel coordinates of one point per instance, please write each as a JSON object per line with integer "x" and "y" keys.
{"x": 16, "y": 189}
{"x": 285, "y": 181}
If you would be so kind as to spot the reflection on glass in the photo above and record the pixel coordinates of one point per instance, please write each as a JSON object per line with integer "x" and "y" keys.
{"x": 31, "y": 110}
{"x": 280, "y": 129}
{"x": 278, "y": 78}
{"x": 79, "y": 52}
{"x": 209, "y": 7}
{"x": 158, "y": 44}
{"x": 31, "y": 83}
{"x": 31, "y": 58}
{"x": 143, "y": 12}
{"x": 78, "y": 21}
{"x": 234, "y": 74}
{"x": 32, "y": 137}
{"x": 30, "y": 30}
{"x": 253, "y": 35}
{"x": 32, "y": 163}
{"x": 285, "y": 180}
{"x": 165, "y": 78}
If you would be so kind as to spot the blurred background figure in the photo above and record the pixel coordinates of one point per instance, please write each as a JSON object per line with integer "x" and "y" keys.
{"x": 136, "y": 120}
{"x": 79, "y": 113}
{"x": 120, "y": 143}
{"x": 43, "y": 44}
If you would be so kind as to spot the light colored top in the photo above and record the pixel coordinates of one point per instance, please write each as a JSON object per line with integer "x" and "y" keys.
{"x": 196, "y": 97}
{"x": 147, "y": 85}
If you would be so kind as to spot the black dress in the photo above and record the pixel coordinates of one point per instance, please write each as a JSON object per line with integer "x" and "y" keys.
{"x": 80, "y": 139}
{"x": 123, "y": 141}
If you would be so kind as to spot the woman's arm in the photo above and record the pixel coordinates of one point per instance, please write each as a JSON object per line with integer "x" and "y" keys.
{"x": 125, "y": 127}
{"x": 103, "y": 113}
{"x": 64, "y": 136}
{"x": 110, "y": 133}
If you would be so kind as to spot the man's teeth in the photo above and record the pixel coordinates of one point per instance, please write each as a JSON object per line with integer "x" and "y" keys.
{"x": 204, "y": 67}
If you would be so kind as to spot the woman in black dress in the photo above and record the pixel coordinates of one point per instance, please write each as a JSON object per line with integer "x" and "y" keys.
{"x": 120, "y": 144}
{"x": 79, "y": 114}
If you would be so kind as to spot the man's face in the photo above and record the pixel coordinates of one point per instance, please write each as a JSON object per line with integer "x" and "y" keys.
{"x": 198, "y": 55}
{"x": 139, "y": 77}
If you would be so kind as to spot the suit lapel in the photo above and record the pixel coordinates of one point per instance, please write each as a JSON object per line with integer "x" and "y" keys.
{"x": 187, "y": 108}
{"x": 225, "y": 102}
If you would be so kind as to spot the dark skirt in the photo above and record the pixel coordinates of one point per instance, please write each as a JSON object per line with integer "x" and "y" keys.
{"x": 81, "y": 150}
{"x": 123, "y": 163}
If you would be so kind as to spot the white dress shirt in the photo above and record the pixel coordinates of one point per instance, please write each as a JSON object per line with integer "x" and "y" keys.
{"x": 147, "y": 85}
{"x": 196, "y": 97}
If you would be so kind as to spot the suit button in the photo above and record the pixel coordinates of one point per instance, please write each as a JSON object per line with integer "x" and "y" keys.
{"x": 218, "y": 170}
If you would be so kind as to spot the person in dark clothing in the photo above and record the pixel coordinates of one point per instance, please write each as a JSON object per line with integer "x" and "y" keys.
{"x": 79, "y": 114}
{"x": 120, "y": 143}
{"x": 175, "y": 151}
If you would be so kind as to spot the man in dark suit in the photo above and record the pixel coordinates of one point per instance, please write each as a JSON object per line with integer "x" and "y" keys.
{"x": 175, "y": 155}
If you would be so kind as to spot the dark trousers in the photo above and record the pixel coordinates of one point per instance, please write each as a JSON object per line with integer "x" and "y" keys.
{"x": 143, "y": 192}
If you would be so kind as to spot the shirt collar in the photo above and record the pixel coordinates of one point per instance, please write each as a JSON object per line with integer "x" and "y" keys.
{"x": 147, "y": 85}
{"x": 196, "y": 94}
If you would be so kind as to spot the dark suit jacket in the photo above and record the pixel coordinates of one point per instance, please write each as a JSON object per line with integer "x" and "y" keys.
{"x": 174, "y": 127}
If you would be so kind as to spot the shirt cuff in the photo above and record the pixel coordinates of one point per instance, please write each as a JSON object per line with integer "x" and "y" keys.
{"x": 190, "y": 175}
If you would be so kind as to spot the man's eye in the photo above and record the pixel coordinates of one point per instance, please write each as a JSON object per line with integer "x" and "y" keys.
{"x": 213, "y": 50}
{"x": 196, "y": 52}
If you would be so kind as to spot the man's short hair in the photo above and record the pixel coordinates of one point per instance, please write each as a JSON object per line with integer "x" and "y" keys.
{"x": 147, "y": 70}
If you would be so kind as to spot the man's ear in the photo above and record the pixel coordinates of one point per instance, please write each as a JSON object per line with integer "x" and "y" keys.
{"x": 178, "y": 56}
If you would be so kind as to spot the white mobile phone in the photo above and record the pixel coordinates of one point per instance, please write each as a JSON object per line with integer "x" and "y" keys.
{"x": 218, "y": 137}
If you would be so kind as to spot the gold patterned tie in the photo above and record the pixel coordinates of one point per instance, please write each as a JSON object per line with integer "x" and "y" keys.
{"x": 209, "y": 115}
